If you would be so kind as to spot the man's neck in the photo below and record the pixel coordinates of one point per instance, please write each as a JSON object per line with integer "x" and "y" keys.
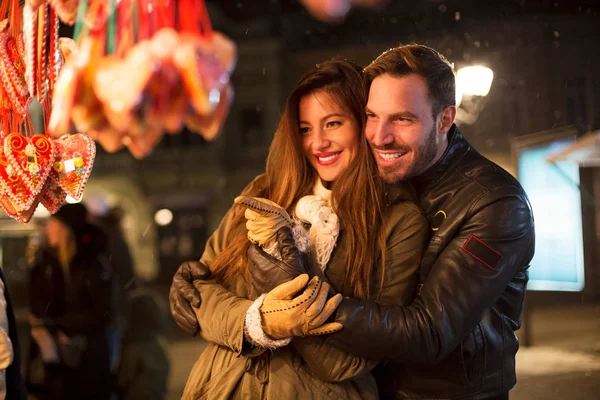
{"x": 442, "y": 146}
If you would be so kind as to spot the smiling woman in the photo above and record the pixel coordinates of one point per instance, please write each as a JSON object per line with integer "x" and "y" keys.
{"x": 330, "y": 136}
{"x": 319, "y": 143}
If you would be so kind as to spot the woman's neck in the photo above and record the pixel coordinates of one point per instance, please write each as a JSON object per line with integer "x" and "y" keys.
{"x": 326, "y": 184}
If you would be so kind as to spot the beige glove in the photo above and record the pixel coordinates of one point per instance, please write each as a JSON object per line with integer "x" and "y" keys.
{"x": 265, "y": 218}
{"x": 284, "y": 315}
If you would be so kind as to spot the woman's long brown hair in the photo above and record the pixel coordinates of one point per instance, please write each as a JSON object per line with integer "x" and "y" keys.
{"x": 358, "y": 194}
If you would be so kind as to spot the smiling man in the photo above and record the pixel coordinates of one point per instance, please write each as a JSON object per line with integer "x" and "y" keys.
{"x": 456, "y": 340}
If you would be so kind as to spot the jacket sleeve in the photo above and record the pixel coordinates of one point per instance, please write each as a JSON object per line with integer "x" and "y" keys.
{"x": 98, "y": 285}
{"x": 221, "y": 314}
{"x": 457, "y": 290}
{"x": 406, "y": 238}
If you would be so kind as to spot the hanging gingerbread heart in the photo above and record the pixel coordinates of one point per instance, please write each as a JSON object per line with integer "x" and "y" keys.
{"x": 12, "y": 71}
{"x": 25, "y": 215}
{"x": 9, "y": 207}
{"x": 15, "y": 211}
{"x": 73, "y": 163}
{"x": 12, "y": 186}
{"x": 31, "y": 159}
{"x": 52, "y": 196}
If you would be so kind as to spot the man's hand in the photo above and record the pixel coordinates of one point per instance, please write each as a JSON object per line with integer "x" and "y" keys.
{"x": 183, "y": 295}
{"x": 284, "y": 315}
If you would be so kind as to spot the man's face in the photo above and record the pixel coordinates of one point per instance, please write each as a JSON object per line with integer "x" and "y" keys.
{"x": 404, "y": 137}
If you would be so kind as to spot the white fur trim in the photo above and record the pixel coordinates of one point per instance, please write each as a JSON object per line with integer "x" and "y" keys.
{"x": 301, "y": 236}
{"x": 325, "y": 226}
{"x": 253, "y": 330}
{"x": 273, "y": 250}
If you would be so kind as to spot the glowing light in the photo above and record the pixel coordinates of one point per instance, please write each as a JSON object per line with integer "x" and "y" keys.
{"x": 473, "y": 81}
{"x": 163, "y": 217}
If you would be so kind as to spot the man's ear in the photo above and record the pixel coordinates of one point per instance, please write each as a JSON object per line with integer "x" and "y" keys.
{"x": 446, "y": 119}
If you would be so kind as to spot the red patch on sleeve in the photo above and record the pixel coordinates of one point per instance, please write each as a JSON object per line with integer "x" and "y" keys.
{"x": 482, "y": 252}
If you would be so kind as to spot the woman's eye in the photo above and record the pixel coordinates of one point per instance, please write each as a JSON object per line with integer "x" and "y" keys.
{"x": 333, "y": 124}
{"x": 303, "y": 130}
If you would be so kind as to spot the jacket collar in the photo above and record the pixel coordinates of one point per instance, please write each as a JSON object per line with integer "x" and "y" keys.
{"x": 400, "y": 191}
{"x": 457, "y": 148}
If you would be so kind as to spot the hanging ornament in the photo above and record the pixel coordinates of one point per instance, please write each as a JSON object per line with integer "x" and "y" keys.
{"x": 29, "y": 160}
{"x": 73, "y": 163}
{"x": 52, "y": 196}
{"x": 124, "y": 93}
{"x": 12, "y": 69}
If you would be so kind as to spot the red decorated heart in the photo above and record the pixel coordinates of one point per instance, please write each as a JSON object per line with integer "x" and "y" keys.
{"x": 52, "y": 196}
{"x": 13, "y": 187}
{"x": 31, "y": 160}
{"x": 14, "y": 211}
{"x": 73, "y": 163}
{"x": 25, "y": 215}
{"x": 9, "y": 206}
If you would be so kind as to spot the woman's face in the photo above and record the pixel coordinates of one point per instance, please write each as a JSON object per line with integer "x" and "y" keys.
{"x": 330, "y": 134}
{"x": 55, "y": 232}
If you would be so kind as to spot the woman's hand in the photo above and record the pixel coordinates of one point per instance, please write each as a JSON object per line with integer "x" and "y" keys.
{"x": 265, "y": 218}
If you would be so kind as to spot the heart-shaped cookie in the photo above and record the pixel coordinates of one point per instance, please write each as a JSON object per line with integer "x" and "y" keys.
{"x": 13, "y": 187}
{"x": 52, "y": 196}
{"x": 14, "y": 211}
{"x": 31, "y": 160}
{"x": 73, "y": 163}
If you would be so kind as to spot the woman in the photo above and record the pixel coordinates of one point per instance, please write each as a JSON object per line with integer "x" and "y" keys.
{"x": 318, "y": 145}
{"x": 70, "y": 309}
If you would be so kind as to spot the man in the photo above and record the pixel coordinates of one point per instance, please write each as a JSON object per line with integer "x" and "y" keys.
{"x": 456, "y": 340}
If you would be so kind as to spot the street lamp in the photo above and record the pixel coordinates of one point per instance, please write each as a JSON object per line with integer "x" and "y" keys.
{"x": 474, "y": 80}
{"x": 163, "y": 217}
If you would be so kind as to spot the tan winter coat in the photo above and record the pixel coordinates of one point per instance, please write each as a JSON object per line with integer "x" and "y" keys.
{"x": 308, "y": 368}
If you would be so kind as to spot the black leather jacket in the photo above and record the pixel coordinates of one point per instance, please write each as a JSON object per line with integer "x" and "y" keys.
{"x": 456, "y": 340}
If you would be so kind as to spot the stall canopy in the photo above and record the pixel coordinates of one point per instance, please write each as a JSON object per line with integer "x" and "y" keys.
{"x": 584, "y": 151}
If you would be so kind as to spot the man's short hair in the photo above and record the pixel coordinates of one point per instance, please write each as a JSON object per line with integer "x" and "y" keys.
{"x": 422, "y": 60}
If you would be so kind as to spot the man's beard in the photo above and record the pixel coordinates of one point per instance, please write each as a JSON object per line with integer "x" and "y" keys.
{"x": 421, "y": 158}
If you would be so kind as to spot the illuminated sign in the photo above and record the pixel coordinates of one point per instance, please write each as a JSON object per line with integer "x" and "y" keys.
{"x": 556, "y": 202}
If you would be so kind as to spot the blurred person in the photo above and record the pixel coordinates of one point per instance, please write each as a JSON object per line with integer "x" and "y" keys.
{"x": 11, "y": 382}
{"x": 144, "y": 363}
{"x": 457, "y": 338}
{"x": 319, "y": 166}
{"x": 70, "y": 294}
{"x": 123, "y": 277}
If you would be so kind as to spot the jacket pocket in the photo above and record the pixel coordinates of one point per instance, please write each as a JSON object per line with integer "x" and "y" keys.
{"x": 472, "y": 353}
